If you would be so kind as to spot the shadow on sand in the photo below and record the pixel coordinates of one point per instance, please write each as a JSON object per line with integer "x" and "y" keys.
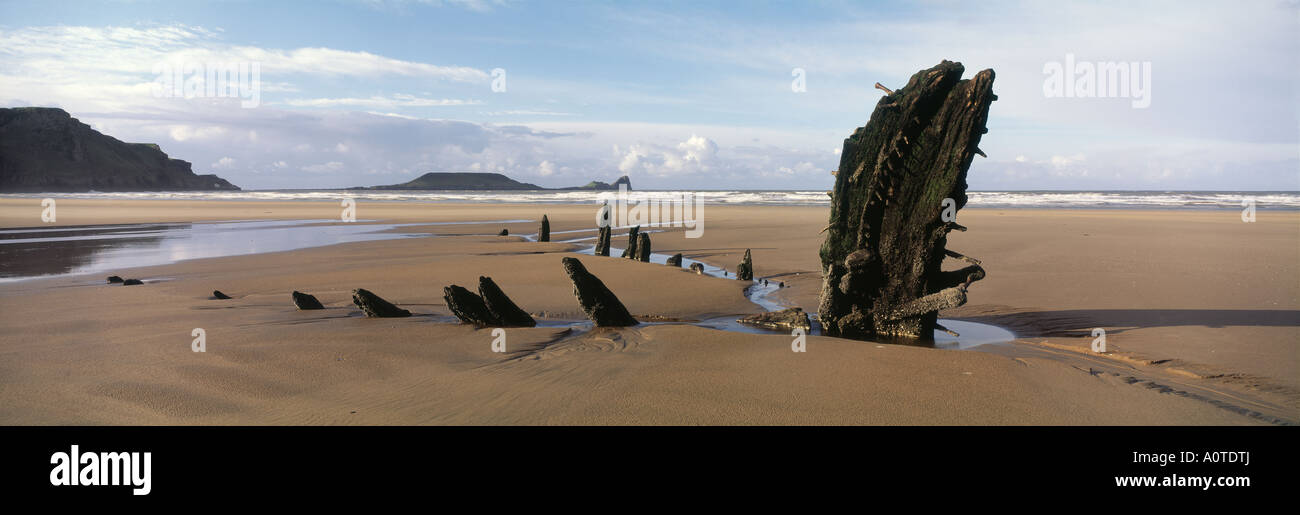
{"x": 1080, "y": 322}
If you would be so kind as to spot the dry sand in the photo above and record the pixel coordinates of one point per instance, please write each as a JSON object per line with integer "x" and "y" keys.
{"x": 1202, "y": 314}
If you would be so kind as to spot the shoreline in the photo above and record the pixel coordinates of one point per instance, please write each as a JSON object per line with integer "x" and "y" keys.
{"x": 1277, "y": 201}
{"x": 1148, "y": 345}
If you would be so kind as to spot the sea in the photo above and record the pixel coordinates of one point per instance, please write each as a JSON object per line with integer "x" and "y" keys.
{"x": 1055, "y": 199}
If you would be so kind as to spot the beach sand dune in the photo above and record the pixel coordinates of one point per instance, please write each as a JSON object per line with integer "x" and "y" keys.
{"x": 1200, "y": 311}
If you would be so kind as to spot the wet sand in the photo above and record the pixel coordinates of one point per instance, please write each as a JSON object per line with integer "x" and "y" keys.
{"x": 1202, "y": 314}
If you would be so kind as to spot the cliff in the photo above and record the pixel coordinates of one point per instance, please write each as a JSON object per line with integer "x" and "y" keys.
{"x": 46, "y": 149}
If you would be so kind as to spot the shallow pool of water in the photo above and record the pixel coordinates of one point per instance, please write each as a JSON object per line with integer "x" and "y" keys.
{"x": 29, "y": 253}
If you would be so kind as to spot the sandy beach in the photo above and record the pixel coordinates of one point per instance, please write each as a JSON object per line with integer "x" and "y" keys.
{"x": 1201, "y": 313}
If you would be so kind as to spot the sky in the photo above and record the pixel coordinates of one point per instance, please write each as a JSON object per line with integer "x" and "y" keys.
{"x": 676, "y": 95}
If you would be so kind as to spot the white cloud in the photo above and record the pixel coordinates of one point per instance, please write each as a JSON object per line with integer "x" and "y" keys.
{"x": 1063, "y": 161}
{"x": 694, "y": 155}
{"x": 526, "y": 113}
{"x": 380, "y": 102}
{"x": 330, "y": 167}
{"x": 472, "y": 5}
{"x": 112, "y": 68}
{"x": 189, "y": 132}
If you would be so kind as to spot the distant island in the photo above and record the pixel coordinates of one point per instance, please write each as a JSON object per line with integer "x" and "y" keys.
{"x": 46, "y": 149}
{"x": 484, "y": 181}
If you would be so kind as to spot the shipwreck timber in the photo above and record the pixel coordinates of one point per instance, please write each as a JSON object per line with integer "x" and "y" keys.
{"x": 901, "y": 180}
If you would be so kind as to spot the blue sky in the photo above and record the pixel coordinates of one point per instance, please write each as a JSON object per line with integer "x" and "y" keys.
{"x": 675, "y": 95}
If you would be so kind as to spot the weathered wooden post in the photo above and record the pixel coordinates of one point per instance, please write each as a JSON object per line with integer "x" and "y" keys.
{"x": 888, "y": 228}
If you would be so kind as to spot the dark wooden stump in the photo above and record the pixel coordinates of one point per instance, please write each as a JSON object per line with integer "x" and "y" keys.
{"x": 885, "y": 242}
{"x": 600, "y": 304}
{"x": 305, "y": 301}
{"x": 745, "y": 270}
{"x": 643, "y": 248}
{"x": 602, "y": 242}
{"x": 375, "y": 307}
{"x": 630, "y": 251}
{"x": 468, "y": 306}
{"x": 501, "y": 307}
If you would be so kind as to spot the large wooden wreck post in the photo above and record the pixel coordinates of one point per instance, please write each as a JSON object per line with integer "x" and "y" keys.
{"x": 887, "y": 234}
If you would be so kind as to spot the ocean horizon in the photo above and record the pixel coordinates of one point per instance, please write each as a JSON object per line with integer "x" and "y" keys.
{"x": 1010, "y": 199}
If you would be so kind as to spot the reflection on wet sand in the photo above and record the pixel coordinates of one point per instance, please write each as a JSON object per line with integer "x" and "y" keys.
{"x": 42, "y": 252}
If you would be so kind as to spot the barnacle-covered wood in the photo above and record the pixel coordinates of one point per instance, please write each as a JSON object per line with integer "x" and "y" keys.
{"x": 784, "y": 320}
{"x": 884, "y": 247}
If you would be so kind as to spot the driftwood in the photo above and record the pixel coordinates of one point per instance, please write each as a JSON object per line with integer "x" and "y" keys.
{"x": 674, "y": 260}
{"x": 600, "y": 304}
{"x": 544, "y": 232}
{"x": 643, "y": 248}
{"x": 786, "y": 319}
{"x": 630, "y": 250}
{"x": 897, "y": 176}
{"x": 602, "y": 242}
{"x": 745, "y": 270}
{"x": 376, "y": 307}
{"x": 305, "y": 301}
